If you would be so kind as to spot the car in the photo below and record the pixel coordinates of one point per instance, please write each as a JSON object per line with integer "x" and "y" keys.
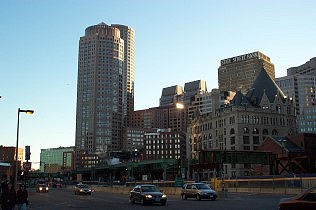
{"x": 82, "y": 189}
{"x": 42, "y": 188}
{"x": 198, "y": 191}
{"x": 305, "y": 200}
{"x": 147, "y": 194}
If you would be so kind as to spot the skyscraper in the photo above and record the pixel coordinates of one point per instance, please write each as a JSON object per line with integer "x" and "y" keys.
{"x": 300, "y": 85}
{"x": 105, "y": 89}
{"x": 239, "y": 73}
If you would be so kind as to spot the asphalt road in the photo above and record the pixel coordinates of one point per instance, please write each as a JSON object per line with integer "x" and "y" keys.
{"x": 61, "y": 199}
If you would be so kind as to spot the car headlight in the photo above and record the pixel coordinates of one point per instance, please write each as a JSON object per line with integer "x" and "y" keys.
{"x": 163, "y": 196}
{"x": 46, "y": 188}
{"x": 81, "y": 190}
{"x": 90, "y": 190}
{"x": 148, "y": 196}
{"x": 40, "y": 188}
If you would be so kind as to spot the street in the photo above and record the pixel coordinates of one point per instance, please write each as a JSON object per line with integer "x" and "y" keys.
{"x": 61, "y": 199}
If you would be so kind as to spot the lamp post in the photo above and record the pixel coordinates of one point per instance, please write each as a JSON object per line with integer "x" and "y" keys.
{"x": 17, "y": 144}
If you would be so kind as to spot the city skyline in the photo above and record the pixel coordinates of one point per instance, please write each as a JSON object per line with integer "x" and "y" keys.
{"x": 182, "y": 39}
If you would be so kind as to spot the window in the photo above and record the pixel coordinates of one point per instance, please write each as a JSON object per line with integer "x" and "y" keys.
{"x": 232, "y": 140}
{"x": 246, "y": 130}
{"x": 256, "y": 140}
{"x": 232, "y": 131}
{"x": 255, "y": 131}
{"x": 246, "y": 140}
{"x": 265, "y": 132}
{"x": 246, "y": 147}
{"x": 274, "y": 132}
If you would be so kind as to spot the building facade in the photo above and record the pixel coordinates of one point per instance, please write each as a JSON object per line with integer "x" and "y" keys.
{"x": 191, "y": 89}
{"x": 308, "y": 68}
{"x": 238, "y": 73}
{"x": 166, "y": 117}
{"x": 244, "y": 123}
{"x": 203, "y": 103}
{"x": 171, "y": 95}
{"x": 7, "y": 157}
{"x": 164, "y": 144}
{"x": 55, "y": 160}
{"x": 128, "y": 83}
{"x": 300, "y": 85}
{"x": 105, "y": 89}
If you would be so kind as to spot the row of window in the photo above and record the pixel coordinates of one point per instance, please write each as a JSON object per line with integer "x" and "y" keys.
{"x": 176, "y": 146}
{"x": 158, "y": 152}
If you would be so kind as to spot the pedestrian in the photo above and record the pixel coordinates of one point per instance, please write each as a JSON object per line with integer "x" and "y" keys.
{"x": 22, "y": 197}
{"x": 8, "y": 198}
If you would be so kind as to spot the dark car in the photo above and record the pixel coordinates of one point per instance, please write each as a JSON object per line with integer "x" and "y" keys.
{"x": 42, "y": 188}
{"x": 305, "y": 200}
{"x": 147, "y": 194}
{"x": 198, "y": 191}
{"x": 82, "y": 189}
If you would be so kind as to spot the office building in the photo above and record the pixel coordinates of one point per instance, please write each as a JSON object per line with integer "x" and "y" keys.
{"x": 191, "y": 89}
{"x": 164, "y": 144}
{"x": 166, "y": 117}
{"x": 171, "y": 95}
{"x": 176, "y": 94}
{"x": 308, "y": 68}
{"x": 205, "y": 103}
{"x": 133, "y": 139}
{"x": 300, "y": 85}
{"x": 55, "y": 160}
{"x": 105, "y": 89}
{"x": 128, "y": 35}
{"x": 238, "y": 73}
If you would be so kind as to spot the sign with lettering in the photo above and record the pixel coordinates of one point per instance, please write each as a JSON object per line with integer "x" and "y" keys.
{"x": 240, "y": 58}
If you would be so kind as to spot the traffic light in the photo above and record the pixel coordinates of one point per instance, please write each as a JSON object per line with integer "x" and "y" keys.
{"x": 27, "y": 152}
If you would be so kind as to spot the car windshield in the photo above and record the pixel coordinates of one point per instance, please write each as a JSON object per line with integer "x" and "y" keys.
{"x": 202, "y": 186}
{"x": 83, "y": 186}
{"x": 149, "y": 189}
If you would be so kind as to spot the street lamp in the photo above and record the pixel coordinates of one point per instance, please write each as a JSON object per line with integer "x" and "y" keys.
{"x": 17, "y": 144}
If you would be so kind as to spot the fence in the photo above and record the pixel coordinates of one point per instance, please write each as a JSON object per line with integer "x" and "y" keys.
{"x": 286, "y": 186}
{"x": 292, "y": 185}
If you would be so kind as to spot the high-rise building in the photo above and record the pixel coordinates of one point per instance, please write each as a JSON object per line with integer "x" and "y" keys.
{"x": 105, "y": 89}
{"x": 205, "y": 103}
{"x": 191, "y": 89}
{"x": 300, "y": 85}
{"x": 309, "y": 68}
{"x": 128, "y": 35}
{"x": 171, "y": 95}
{"x": 238, "y": 73}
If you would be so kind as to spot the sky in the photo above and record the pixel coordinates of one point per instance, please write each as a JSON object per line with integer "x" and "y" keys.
{"x": 177, "y": 41}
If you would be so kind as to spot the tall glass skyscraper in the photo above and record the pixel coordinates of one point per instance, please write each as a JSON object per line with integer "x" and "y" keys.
{"x": 105, "y": 88}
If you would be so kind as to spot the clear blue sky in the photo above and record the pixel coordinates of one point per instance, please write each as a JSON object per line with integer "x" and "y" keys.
{"x": 177, "y": 41}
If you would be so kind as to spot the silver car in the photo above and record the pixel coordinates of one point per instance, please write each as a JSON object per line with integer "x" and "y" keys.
{"x": 82, "y": 189}
{"x": 198, "y": 191}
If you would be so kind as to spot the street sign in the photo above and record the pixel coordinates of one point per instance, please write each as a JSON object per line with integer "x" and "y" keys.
{"x": 27, "y": 166}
